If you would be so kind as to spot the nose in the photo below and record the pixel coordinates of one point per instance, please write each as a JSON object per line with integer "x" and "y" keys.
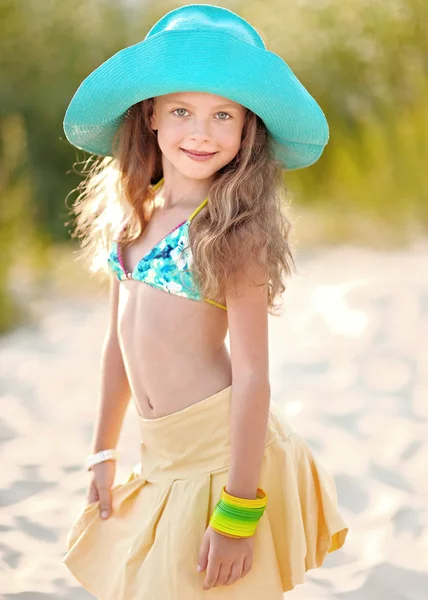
{"x": 199, "y": 129}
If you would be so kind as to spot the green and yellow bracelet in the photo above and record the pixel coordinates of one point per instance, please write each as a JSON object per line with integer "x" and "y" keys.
{"x": 238, "y": 517}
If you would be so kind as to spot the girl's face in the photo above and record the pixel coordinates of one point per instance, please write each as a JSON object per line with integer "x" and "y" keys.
{"x": 199, "y": 122}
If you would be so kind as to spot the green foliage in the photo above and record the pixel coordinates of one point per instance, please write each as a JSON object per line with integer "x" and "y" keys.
{"x": 15, "y": 208}
{"x": 366, "y": 63}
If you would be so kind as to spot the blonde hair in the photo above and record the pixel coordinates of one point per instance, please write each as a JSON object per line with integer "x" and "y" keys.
{"x": 244, "y": 220}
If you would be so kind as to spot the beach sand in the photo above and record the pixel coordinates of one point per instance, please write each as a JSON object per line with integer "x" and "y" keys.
{"x": 349, "y": 367}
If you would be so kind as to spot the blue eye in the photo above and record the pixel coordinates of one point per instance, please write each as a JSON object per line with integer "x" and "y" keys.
{"x": 177, "y": 109}
{"x": 219, "y": 113}
{"x": 224, "y": 113}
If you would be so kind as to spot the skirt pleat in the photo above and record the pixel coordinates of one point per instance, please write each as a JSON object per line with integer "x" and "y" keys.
{"x": 148, "y": 548}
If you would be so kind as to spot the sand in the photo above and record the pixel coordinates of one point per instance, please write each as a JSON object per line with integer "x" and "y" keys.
{"x": 349, "y": 367}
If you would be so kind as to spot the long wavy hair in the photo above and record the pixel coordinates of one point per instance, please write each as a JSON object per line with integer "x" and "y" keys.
{"x": 245, "y": 218}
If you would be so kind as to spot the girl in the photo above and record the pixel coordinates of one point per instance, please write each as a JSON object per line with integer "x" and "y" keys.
{"x": 197, "y": 123}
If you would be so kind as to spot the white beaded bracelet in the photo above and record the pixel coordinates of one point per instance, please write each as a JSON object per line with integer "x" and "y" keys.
{"x": 101, "y": 456}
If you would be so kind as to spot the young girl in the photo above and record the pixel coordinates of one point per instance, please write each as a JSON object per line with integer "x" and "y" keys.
{"x": 198, "y": 122}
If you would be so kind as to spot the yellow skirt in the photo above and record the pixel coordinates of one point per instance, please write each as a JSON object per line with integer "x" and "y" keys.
{"x": 148, "y": 548}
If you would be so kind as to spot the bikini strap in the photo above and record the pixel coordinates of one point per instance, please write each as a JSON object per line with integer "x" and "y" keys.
{"x": 157, "y": 185}
{"x": 200, "y": 207}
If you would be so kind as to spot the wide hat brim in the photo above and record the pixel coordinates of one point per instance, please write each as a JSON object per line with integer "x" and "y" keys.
{"x": 203, "y": 60}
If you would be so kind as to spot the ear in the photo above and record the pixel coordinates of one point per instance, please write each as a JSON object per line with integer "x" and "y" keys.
{"x": 153, "y": 120}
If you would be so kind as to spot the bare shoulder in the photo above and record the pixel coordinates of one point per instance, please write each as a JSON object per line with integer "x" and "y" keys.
{"x": 247, "y": 311}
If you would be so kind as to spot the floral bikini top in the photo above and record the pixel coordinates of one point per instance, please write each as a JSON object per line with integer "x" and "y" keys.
{"x": 167, "y": 265}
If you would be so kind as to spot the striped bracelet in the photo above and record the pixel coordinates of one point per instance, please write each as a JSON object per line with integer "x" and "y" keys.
{"x": 238, "y": 517}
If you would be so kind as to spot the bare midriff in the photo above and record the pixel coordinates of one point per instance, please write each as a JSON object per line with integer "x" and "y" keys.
{"x": 173, "y": 348}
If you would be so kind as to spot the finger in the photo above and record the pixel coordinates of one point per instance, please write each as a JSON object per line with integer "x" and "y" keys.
{"x": 92, "y": 494}
{"x": 203, "y": 553}
{"x": 235, "y": 573}
{"x": 105, "y": 502}
{"x": 247, "y": 565}
{"x": 92, "y": 497}
{"x": 91, "y": 500}
{"x": 213, "y": 568}
{"x": 223, "y": 574}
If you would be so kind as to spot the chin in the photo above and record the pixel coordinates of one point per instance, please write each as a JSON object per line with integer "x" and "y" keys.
{"x": 197, "y": 173}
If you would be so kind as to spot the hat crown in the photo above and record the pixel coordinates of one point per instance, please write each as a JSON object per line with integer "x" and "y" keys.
{"x": 193, "y": 17}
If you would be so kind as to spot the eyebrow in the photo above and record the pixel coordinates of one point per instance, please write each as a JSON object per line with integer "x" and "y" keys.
{"x": 182, "y": 102}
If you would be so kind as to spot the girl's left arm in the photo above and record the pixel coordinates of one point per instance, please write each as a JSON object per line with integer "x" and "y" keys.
{"x": 247, "y": 310}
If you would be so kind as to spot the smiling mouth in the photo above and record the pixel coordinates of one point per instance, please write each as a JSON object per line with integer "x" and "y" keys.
{"x": 198, "y": 153}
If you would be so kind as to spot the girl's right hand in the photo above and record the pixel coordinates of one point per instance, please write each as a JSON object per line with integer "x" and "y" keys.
{"x": 100, "y": 486}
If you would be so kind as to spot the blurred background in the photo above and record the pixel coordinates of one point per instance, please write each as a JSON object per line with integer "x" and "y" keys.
{"x": 349, "y": 355}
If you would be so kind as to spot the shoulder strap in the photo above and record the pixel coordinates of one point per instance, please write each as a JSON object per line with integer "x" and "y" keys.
{"x": 200, "y": 207}
{"x": 157, "y": 185}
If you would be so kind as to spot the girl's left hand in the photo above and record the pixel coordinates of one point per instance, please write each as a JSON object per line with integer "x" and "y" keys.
{"x": 226, "y": 559}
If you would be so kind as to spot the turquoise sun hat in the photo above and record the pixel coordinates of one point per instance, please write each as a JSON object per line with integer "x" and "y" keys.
{"x": 200, "y": 48}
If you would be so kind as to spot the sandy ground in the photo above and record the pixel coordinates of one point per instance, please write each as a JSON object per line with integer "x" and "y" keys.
{"x": 349, "y": 366}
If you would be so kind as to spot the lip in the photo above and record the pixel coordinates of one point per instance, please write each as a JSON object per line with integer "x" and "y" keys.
{"x": 199, "y": 156}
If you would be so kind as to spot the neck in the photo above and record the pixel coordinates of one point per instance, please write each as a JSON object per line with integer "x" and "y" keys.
{"x": 178, "y": 188}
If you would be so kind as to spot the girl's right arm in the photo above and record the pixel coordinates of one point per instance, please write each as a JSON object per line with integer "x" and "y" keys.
{"x": 114, "y": 398}
{"x": 115, "y": 391}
